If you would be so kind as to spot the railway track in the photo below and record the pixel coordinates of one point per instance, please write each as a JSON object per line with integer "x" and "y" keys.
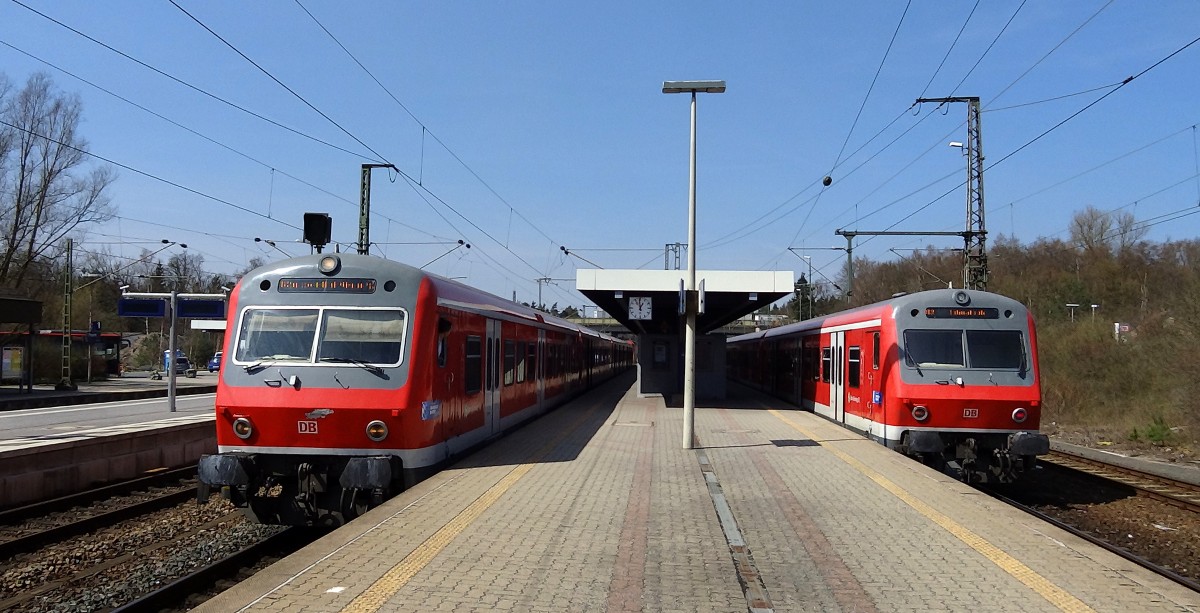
{"x": 161, "y": 558}
{"x": 193, "y": 588}
{"x": 1150, "y": 520}
{"x": 31, "y": 527}
{"x": 1171, "y": 491}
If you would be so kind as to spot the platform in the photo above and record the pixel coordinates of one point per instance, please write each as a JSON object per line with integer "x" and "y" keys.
{"x": 596, "y": 507}
{"x": 102, "y": 432}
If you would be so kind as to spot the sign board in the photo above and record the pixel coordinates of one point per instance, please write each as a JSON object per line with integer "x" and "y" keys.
{"x": 13, "y": 366}
{"x": 200, "y": 308}
{"x": 141, "y": 307}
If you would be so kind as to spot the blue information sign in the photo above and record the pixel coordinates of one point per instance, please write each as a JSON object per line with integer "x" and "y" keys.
{"x": 199, "y": 308}
{"x": 141, "y": 307}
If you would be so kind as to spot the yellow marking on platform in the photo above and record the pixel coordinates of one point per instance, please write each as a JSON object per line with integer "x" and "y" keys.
{"x": 1044, "y": 587}
{"x": 395, "y": 579}
{"x": 391, "y": 582}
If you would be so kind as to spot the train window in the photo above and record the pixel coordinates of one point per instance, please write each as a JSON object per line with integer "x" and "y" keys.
{"x": 996, "y": 349}
{"x": 374, "y": 336}
{"x": 277, "y": 334}
{"x": 826, "y": 363}
{"x": 875, "y": 351}
{"x": 855, "y": 366}
{"x": 510, "y": 362}
{"x": 520, "y": 362}
{"x": 473, "y": 370}
{"x": 531, "y": 361}
{"x": 934, "y": 348}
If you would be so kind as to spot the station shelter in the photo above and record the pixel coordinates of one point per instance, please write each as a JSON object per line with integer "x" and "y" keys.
{"x": 650, "y": 304}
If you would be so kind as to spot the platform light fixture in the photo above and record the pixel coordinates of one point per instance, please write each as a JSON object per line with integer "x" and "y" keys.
{"x": 689, "y": 369}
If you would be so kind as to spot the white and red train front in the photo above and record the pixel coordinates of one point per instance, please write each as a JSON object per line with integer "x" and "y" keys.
{"x": 949, "y": 376}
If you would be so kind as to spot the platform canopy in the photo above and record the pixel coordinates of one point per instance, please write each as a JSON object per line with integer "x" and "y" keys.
{"x": 647, "y": 301}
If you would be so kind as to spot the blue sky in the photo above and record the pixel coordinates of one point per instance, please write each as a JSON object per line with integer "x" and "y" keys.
{"x": 530, "y": 126}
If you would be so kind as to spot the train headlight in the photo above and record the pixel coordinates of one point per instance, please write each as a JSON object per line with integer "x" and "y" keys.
{"x": 242, "y": 428}
{"x": 377, "y": 431}
{"x": 1020, "y": 415}
{"x": 329, "y": 264}
{"x": 920, "y": 413}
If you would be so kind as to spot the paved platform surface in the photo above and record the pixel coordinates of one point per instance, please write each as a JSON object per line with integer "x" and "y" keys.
{"x": 597, "y": 507}
{"x": 133, "y": 385}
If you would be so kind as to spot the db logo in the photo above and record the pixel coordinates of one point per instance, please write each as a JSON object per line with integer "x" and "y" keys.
{"x": 307, "y": 427}
{"x": 967, "y": 413}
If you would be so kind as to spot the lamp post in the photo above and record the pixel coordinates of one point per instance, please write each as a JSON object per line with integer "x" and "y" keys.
{"x": 1094, "y": 307}
{"x": 689, "y": 351}
{"x": 1073, "y": 306}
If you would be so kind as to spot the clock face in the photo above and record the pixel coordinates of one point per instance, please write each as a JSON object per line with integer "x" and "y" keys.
{"x": 639, "y": 307}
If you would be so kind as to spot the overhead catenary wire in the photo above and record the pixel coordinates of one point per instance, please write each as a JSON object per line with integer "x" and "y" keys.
{"x": 214, "y": 141}
{"x": 149, "y": 175}
{"x": 936, "y": 143}
{"x": 190, "y": 86}
{"x": 424, "y": 129}
{"x": 378, "y": 156}
{"x": 1047, "y": 131}
{"x": 407, "y": 177}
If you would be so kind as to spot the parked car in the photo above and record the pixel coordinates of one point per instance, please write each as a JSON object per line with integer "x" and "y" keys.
{"x": 182, "y": 363}
{"x": 214, "y": 363}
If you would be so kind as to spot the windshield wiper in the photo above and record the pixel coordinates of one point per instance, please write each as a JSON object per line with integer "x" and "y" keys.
{"x": 370, "y": 367}
{"x": 268, "y": 360}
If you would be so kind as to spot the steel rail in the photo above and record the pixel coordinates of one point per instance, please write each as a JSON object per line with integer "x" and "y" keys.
{"x": 31, "y": 542}
{"x": 1177, "y": 493}
{"x": 39, "y": 509}
{"x": 172, "y": 594}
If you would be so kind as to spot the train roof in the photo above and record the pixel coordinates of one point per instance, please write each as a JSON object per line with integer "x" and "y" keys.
{"x": 935, "y": 297}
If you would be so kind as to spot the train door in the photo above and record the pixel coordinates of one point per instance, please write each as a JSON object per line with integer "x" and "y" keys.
{"x": 492, "y": 383}
{"x": 539, "y": 370}
{"x": 837, "y": 379}
{"x": 870, "y": 365}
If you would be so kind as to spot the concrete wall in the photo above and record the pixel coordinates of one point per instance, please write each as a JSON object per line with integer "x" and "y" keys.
{"x": 32, "y": 474}
{"x": 660, "y": 365}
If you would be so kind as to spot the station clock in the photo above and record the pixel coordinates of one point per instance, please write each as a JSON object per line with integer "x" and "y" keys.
{"x": 639, "y": 308}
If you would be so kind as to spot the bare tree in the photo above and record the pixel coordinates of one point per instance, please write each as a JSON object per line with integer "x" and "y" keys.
{"x": 45, "y": 192}
{"x": 185, "y": 272}
{"x": 1128, "y": 231}
{"x": 1091, "y": 229}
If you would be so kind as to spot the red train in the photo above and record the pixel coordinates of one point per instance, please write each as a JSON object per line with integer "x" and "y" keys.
{"x": 947, "y": 376}
{"x": 347, "y": 378}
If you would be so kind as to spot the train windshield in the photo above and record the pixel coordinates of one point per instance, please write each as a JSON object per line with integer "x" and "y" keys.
{"x": 369, "y": 336}
{"x": 999, "y": 349}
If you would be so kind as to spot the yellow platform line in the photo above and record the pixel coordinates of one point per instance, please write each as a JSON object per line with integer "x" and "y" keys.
{"x": 382, "y": 590}
{"x": 1044, "y": 587}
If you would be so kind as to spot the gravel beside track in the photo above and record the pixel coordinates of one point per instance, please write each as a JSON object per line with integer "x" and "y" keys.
{"x": 119, "y": 564}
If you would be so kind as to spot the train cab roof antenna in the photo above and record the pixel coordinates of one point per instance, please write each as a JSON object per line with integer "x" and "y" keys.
{"x": 318, "y": 227}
